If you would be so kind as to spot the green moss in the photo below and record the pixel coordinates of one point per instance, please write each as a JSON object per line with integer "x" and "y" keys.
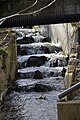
{"x": 76, "y": 24}
{"x": 3, "y": 52}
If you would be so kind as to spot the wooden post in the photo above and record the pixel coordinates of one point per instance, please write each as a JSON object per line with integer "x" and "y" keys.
{"x": 69, "y": 110}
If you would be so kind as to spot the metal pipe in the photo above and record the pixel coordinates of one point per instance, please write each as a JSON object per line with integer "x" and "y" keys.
{"x": 27, "y": 20}
{"x": 69, "y": 90}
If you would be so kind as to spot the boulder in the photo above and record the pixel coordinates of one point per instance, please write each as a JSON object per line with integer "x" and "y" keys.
{"x": 55, "y": 49}
{"x": 23, "y": 51}
{"x": 54, "y": 63}
{"x": 26, "y": 40}
{"x": 45, "y": 49}
{"x": 34, "y": 87}
{"x": 36, "y": 61}
{"x": 46, "y": 39}
{"x": 38, "y": 75}
{"x": 51, "y": 74}
{"x": 42, "y": 88}
{"x": 26, "y": 75}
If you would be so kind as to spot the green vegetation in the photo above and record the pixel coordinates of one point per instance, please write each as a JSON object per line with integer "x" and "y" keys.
{"x": 2, "y": 52}
{"x": 76, "y": 24}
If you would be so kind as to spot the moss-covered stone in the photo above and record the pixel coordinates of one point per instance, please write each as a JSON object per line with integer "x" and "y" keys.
{"x": 8, "y": 58}
{"x": 76, "y": 24}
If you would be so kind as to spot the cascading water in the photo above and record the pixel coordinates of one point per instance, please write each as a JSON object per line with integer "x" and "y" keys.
{"x": 33, "y": 96}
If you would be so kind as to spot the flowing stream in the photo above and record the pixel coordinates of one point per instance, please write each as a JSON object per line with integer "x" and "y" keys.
{"x": 34, "y": 94}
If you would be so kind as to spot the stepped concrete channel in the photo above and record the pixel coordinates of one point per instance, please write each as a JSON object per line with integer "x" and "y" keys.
{"x": 34, "y": 94}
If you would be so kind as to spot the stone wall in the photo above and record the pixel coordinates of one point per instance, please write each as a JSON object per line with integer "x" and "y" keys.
{"x": 7, "y": 59}
{"x": 69, "y": 106}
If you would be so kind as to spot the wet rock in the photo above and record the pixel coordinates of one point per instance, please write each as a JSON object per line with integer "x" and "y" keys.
{"x": 42, "y": 88}
{"x": 46, "y": 39}
{"x": 34, "y": 87}
{"x": 62, "y": 62}
{"x": 41, "y": 97}
{"x": 21, "y": 76}
{"x": 18, "y": 88}
{"x": 38, "y": 75}
{"x": 54, "y": 63}
{"x": 36, "y": 61}
{"x": 18, "y": 35}
{"x": 55, "y": 49}
{"x": 26, "y": 40}
{"x": 63, "y": 72}
{"x": 18, "y": 49}
{"x": 25, "y": 75}
{"x": 23, "y": 51}
{"x": 20, "y": 65}
{"x": 51, "y": 74}
{"x": 67, "y": 59}
{"x": 31, "y": 51}
{"x": 45, "y": 49}
{"x": 41, "y": 50}
{"x": 36, "y": 50}
{"x": 58, "y": 62}
{"x": 26, "y": 50}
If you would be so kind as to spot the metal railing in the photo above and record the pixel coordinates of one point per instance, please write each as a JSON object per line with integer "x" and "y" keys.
{"x": 69, "y": 90}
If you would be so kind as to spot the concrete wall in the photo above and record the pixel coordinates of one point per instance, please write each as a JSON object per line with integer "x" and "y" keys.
{"x": 8, "y": 7}
{"x": 8, "y": 59}
{"x": 58, "y": 7}
{"x": 63, "y": 7}
{"x": 63, "y": 35}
